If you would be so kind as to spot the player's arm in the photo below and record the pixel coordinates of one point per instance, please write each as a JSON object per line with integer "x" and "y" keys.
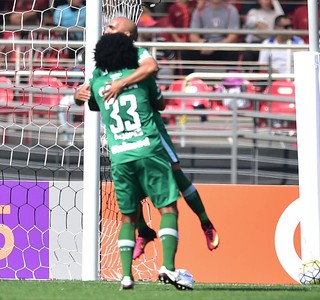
{"x": 147, "y": 67}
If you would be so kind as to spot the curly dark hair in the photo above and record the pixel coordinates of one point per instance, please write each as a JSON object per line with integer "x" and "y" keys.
{"x": 114, "y": 52}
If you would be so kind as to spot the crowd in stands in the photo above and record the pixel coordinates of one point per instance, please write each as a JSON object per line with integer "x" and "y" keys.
{"x": 33, "y": 19}
{"x": 186, "y": 14}
{"x": 233, "y": 15}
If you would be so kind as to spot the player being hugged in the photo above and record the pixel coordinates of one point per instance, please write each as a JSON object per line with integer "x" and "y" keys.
{"x": 140, "y": 166}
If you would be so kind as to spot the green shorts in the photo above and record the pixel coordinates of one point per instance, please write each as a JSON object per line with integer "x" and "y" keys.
{"x": 151, "y": 176}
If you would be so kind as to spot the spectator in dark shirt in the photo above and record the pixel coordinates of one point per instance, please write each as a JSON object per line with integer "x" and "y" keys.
{"x": 213, "y": 14}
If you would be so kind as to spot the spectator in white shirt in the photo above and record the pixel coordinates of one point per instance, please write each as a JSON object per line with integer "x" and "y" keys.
{"x": 280, "y": 60}
{"x": 261, "y": 18}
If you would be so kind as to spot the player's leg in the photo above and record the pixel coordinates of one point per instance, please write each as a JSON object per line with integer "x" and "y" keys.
{"x": 168, "y": 234}
{"x": 128, "y": 193}
{"x": 158, "y": 182}
{"x": 126, "y": 242}
{"x": 186, "y": 187}
{"x": 193, "y": 199}
{"x": 145, "y": 235}
{"x": 190, "y": 194}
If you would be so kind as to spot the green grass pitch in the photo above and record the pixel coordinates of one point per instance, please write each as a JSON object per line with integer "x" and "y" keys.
{"x": 95, "y": 290}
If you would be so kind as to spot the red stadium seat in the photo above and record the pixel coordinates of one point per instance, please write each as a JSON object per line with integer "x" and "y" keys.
{"x": 42, "y": 96}
{"x": 191, "y": 86}
{"x": 284, "y": 88}
{"x": 45, "y": 98}
{"x": 6, "y": 93}
{"x": 9, "y": 109}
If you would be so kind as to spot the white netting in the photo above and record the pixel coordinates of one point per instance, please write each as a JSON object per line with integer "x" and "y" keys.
{"x": 131, "y": 9}
{"x": 41, "y": 150}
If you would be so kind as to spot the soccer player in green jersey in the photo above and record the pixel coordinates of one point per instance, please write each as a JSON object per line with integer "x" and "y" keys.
{"x": 139, "y": 164}
{"x": 148, "y": 67}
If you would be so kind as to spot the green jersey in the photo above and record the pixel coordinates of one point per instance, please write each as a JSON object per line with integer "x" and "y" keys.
{"x": 131, "y": 130}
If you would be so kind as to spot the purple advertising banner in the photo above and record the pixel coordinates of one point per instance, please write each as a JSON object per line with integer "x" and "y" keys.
{"x": 24, "y": 230}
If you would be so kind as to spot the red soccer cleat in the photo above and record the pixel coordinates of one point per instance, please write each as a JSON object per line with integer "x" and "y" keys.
{"x": 211, "y": 236}
{"x": 142, "y": 242}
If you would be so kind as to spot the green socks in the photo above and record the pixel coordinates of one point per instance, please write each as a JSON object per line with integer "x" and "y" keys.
{"x": 126, "y": 242}
{"x": 168, "y": 234}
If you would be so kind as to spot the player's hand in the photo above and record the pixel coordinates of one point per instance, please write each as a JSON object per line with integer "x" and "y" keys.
{"x": 114, "y": 89}
{"x": 83, "y": 93}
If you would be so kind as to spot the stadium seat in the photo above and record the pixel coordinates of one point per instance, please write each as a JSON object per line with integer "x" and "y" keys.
{"x": 6, "y": 94}
{"x": 6, "y": 98}
{"x": 45, "y": 96}
{"x": 9, "y": 109}
{"x": 284, "y": 88}
{"x": 191, "y": 86}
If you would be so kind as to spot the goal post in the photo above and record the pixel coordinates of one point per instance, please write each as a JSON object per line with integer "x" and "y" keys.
{"x": 307, "y": 82}
{"x": 91, "y": 161}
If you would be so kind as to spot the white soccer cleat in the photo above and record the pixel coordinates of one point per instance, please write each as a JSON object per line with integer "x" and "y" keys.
{"x": 172, "y": 277}
{"x": 127, "y": 283}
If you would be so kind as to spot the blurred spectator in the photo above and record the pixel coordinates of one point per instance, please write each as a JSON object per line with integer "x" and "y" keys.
{"x": 27, "y": 12}
{"x": 162, "y": 55}
{"x": 261, "y": 18}
{"x": 289, "y": 6}
{"x": 68, "y": 108}
{"x": 69, "y": 115}
{"x": 281, "y": 61}
{"x": 57, "y": 3}
{"x": 179, "y": 16}
{"x": 159, "y": 9}
{"x": 146, "y": 21}
{"x": 213, "y": 14}
{"x": 5, "y": 50}
{"x": 300, "y": 19}
{"x": 70, "y": 15}
{"x": 47, "y": 56}
{"x": 27, "y": 15}
{"x": 246, "y": 7}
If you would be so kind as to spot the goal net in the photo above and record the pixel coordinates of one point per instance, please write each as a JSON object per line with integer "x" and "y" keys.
{"x": 41, "y": 146}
